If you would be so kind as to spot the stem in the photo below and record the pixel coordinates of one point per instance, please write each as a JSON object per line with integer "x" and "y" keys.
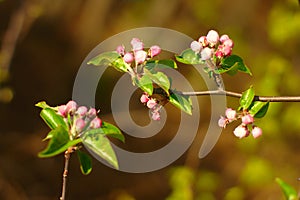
{"x": 239, "y": 95}
{"x": 65, "y": 173}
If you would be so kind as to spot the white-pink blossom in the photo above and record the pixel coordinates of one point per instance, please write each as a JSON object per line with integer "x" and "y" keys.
{"x": 136, "y": 44}
{"x": 156, "y": 116}
{"x": 151, "y": 103}
{"x": 212, "y": 37}
{"x": 256, "y": 132}
{"x": 140, "y": 56}
{"x": 144, "y": 98}
{"x": 96, "y": 123}
{"x": 206, "y": 53}
{"x": 230, "y": 114}
{"x": 128, "y": 57}
{"x": 196, "y": 46}
{"x": 247, "y": 119}
{"x": 154, "y": 51}
{"x": 241, "y": 131}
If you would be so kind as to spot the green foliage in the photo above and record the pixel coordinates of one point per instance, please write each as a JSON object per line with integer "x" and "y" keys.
{"x": 145, "y": 83}
{"x": 100, "y": 145}
{"x": 160, "y": 64}
{"x": 232, "y": 64}
{"x": 289, "y": 192}
{"x": 259, "y": 109}
{"x": 160, "y": 79}
{"x": 85, "y": 162}
{"x": 247, "y": 98}
{"x": 182, "y": 102}
{"x": 52, "y": 119}
{"x": 188, "y": 56}
{"x": 59, "y": 142}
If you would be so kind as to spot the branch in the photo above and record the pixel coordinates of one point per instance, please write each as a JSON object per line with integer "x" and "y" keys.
{"x": 65, "y": 173}
{"x": 239, "y": 95}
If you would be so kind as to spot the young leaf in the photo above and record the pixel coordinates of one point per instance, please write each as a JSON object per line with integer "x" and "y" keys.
{"x": 229, "y": 70}
{"x": 182, "y": 102}
{"x": 120, "y": 65}
{"x": 232, "y": 60}
{"x": 247, "y": 98}
{"x": 42, "y": 104}
{"x": 160, "y": 79}
{"x": 52, "y": 119}
{"x": 160, "y": 64}
{"x": 289, "y": 192}
{"x": 85, "y": 162}
{"x": 188, "y": 56}
{"x": 108, "y": 130}
{"x": 145, "y": 83}
{"x": 59, "y": 142}
{"x": 100, "y": 145}
{"x": 105, "y": 58}
{"x": 259, "y": 109}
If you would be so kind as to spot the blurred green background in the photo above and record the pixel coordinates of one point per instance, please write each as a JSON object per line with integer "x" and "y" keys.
{"x": 42, "y": 46}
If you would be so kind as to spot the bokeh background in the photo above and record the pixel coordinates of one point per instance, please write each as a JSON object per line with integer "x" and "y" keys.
{"x": 42, "y": 46}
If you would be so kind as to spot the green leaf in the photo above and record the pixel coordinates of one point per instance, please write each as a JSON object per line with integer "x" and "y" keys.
{"x": 229, "y": 70}
{"x": 259, "y": 109}
{"x": 233, "y": 60}
{"x": 59, "y": 142}
{"x": 188, "y": 56}
{"x": 108, "y": 130}
{"x": 104, "y": 59}
{"x": 145, "y": 83}
{"x": 289, "y": 192}
{"x": 160, "y": 64}
{"x": 52, "y": 119}
{"x": 247, "y": 98}
{"x": 42, "y": 104}
{"x": 85, "y": 162}
{"x": 182, "y": 102}
{"x": 100, "y": 145}
{"x": 160, "y": 79}
{"x": 120, "y": 65}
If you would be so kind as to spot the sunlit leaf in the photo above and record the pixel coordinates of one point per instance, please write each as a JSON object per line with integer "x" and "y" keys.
{"x": 289, "y": 192}
{"x": 160, "y": 64}
{"x": 188, "y": 56}
{"x": 145, "y": 83}
{"x": 104, "y": 59}
{"x": 120, "y": 65}
{"x": 238, "y": 64}
{"x": 259, "y": 109}
{"x": 59, "y": 142}
{"x": 247, "y": 98}
{"x": 52, "y": 119}
{"x": 85, "y": 162}
{"x": 160, "y": 79}
{"x": 232, "y": 70}
{"x": 42, "y": 104}
{"x": 108, "y": 130}
{"x": 100, "y": 145}
{"x": 182, "y": 102}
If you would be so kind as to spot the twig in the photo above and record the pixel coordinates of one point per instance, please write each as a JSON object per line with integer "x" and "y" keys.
{"x": 239, "y": 95}
{"x": 65, "y": 173}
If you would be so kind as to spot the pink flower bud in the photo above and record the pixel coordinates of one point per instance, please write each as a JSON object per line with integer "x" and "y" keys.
{"x": 206, "y": 53}
{"x": 79, "y": 125}
{"x": 230, "y": 114}
{"x": 154, "y": 51}
{"x": 196, "y": 46}
{"x": 96, "y": 123}
{"x": 121, "y": 50}
{"x": 92, "y": 112}
{"x": 140, "y": 56}
{"x": 151, "y": 103}
{"x": 82, "y": 110}
{"x": 212, "y": 37}
{"x": 62, "y": 110}
{"x": 71, "y": 107}
{"x": 227, "y": 50}
{"x": 222, "y": 122}
{"x": 256, "y": 132}
{"x": 223, "y": 38}
{"x": 128, "y": 57}
{"x": 156, "y": 116}
{"x": 241, "y": 131}
{"x": 228, "y": 43}
{"x": 136, "y": 44}
{"x": 203, "y": 41}
{"x": 219, "y": 54}
{"x": 144, "y": 98}
{"x": 247, "y": 119}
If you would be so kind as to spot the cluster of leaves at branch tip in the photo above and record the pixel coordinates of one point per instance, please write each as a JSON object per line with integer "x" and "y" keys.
{"x": 72, "y": 125}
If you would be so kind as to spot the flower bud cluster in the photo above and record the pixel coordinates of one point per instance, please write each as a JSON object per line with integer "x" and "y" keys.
{"x": 79, "y": 118}
{"x": 152, "y": 104}
{"x": 138, "y": 54}
{"x": 213, "y": 45}
{"x": 244, "y": 129}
